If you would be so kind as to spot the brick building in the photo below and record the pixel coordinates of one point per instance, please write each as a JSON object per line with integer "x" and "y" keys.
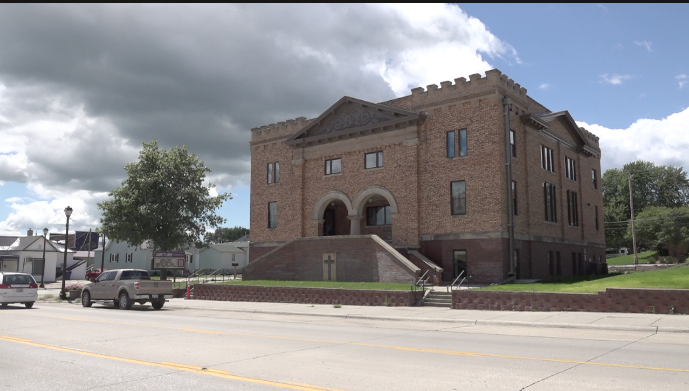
{"x": 460, "y": 176}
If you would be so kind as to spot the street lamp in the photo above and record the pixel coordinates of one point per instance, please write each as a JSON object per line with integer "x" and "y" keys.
{"x": 63, "y": 295}
{"x": 45, "y": 232}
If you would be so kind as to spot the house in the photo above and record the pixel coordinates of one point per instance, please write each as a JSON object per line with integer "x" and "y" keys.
{"x": 25, "y": 254}
{"x": 471, "y": 178}
{"x": 223, "y": 255}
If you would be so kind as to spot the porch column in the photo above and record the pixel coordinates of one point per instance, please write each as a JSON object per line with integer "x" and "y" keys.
{"x": 355, "y": 225}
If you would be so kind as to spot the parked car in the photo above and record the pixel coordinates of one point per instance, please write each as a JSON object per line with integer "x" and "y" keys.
{"x": 124, "y": 287}
{"x": 18, "y": 288}
{"x": 93, "y": 273}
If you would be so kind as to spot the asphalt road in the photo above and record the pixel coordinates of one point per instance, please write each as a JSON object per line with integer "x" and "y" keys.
{"x": 66, "y": 347}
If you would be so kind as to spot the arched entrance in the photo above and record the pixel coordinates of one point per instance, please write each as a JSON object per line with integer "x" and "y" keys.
{"x": 331, "y": 212}
{"x": 375, "y": 211}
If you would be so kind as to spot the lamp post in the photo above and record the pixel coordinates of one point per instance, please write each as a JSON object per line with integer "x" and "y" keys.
{"x": 45, "y": 232}
{"x": 63, "y": 295}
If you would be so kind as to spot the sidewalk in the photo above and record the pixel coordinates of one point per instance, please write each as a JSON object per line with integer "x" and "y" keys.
{"x": 574, "y": 320}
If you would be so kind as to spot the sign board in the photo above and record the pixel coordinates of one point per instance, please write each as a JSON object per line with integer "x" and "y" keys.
{"x": 168, "y": 260}
{"x": 235, "y": 264}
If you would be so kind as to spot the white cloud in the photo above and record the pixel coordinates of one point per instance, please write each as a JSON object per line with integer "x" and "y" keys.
{"x": 646, "y": 44}
{"x": 664, "y": 142}
{"x": 615, "y": 79}
{"x": 544, "y": 86}
{"x": 682, "y": 80}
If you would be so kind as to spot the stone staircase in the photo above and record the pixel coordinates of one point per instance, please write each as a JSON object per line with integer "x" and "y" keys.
{"x": 438, "y": 299}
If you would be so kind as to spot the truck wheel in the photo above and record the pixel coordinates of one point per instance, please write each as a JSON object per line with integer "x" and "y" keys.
{"x": 158, "y": 304}
{"x": 124, "y": 302}
{"x": 86, "y": 299}
{"x": 29, "y": 305}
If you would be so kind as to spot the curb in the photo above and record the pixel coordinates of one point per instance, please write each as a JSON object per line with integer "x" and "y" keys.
{"x": 467, "y": 322}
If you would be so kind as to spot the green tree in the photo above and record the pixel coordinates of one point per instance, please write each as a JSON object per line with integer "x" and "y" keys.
{"x": 663, "y": 228}
{"x": 222, "y": 235}
{"x": 163, "y": 200}
{"x": 651, "y": 186}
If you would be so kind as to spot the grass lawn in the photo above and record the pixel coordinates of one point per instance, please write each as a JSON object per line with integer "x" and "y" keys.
{"x": 323, "y": 284}
{"x": 644, "y": 257}
{"x": 673, "y": 278}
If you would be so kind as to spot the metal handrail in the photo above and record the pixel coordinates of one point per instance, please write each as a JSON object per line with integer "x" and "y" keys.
{"x": 449, "y": 288}
{"x": 421, "y": 278}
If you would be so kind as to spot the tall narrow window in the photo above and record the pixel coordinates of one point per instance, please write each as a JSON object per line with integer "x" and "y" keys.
{"x": 458, "y": 190}
{"x": 374, "y": 159}
{"x": 129, "y": 257}
{"x": 272, "y": 214}
{"x": 333, "y": 166}
{"x": 550, "y": 202}
{"x": 570, "y": 169}
{"x": 594, "y": 179}
{"x": 273, "y": 172}
{"x": 572, "y": 208}
{"x": 451, "y": 144}
{"x": 596, "y": 210}
{"x": 512, "y": 143}
{"x": 547, "y": 159}
{"x": 463, "y": 142}
{"x": 514, "y": 197}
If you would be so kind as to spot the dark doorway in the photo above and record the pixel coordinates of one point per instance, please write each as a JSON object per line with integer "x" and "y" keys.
{"x": 459, "y": 263}
{"x": 329, "y": 222}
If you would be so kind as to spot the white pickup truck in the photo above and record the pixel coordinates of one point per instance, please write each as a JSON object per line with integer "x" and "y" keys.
{"x": 124, "y": 287}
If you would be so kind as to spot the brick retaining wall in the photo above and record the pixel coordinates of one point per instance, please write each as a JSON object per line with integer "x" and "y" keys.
{"x": 304, "y": 295}
{"x": 660, "y": 301}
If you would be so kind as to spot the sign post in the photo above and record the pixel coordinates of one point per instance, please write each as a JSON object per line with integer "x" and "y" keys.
{"x": 235, "y": 264}
{"x": 164, "y": 260}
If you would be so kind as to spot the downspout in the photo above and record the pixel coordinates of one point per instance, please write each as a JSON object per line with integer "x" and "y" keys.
{"x": 510, "y": 197}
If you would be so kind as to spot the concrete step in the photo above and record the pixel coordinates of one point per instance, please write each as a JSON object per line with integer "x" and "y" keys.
{"x": 436, "y": 304}
{"x": 438, "y": 299}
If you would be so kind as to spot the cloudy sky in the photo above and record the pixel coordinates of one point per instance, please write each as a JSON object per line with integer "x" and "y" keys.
{"x": 82, "y": 86}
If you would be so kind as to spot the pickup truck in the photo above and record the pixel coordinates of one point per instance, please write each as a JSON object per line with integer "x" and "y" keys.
{"x": 124, "y": 287}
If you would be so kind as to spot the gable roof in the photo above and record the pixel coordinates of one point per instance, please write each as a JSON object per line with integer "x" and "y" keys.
{"x": 224, "y": 247}
{"x": 351, "y": 117}
{"x": 21, "y": 243}
{"x": 579, "y": 134}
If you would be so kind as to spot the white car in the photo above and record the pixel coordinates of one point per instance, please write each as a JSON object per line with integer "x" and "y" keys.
{"x": 17, "y": 288}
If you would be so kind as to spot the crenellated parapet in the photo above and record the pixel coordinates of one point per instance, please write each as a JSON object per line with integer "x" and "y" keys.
{"x": 590, "y": 137}
{"x": 279, "y": 130}
{"x": 447, "y": 89}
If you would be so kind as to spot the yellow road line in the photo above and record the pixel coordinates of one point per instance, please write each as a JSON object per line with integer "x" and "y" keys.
{"x": 422, "y": 350}
{"x": 179, "y": 367}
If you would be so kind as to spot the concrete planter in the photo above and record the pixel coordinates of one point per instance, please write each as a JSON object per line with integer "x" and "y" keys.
{"x": 74, "y": 294}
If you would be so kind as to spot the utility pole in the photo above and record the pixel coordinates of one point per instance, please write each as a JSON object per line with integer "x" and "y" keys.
{"x": 631, "y": 206}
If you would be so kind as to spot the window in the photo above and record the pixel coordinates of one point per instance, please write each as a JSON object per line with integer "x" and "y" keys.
{"x": 129, "y": 257}
{"x": 514, "y": 197}
{"x": 274, "y": 172}
{"x": 272, "y": 214}
{"x": 458, "y": 190}
{"x": 374, "y": 159}
{"x": 378, "y": 215}
{"x": 572, "y": 208}
{"x": 462, "y": 142}
{"x": 570, "y": 169}
{"x": 512, "y": 143}
{"x": 451, "y": 144}
{"x": 593, "y": 178}
{"x": 333, "y": 166}
{"x": 37, "y": 266}
{"x": 114, "y": 257}
{"x": 596, "y": 209}
{"x": 550, "y": 202}
{"x": 234, "y": 257}
{"x": 547, "y": 159}
{"x": 135, "y": 275}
